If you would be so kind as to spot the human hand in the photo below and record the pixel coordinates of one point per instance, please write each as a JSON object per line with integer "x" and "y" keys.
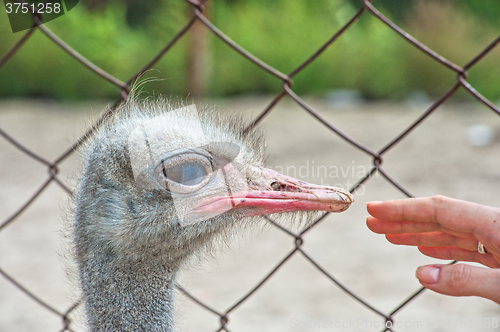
{"x": 445, "y": 228}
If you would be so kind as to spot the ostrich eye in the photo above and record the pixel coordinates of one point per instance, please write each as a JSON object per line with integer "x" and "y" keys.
{"x": 188, "y": 174}
{"x": 184, "y": 173}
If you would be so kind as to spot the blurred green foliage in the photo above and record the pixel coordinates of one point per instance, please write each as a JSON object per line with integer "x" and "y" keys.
{"x": 122, "y": 36}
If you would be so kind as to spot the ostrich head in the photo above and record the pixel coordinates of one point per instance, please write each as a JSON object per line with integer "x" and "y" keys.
{"x": 159, "y": 184}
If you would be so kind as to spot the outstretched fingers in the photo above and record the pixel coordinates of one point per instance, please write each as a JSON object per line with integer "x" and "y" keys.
{"x": 450, "y": 229}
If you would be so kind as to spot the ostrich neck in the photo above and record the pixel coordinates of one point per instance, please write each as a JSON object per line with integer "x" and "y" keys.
{"x": 128, "y": 297}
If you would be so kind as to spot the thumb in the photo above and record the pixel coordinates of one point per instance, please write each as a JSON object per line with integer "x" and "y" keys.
{"x": 461, "y": 280}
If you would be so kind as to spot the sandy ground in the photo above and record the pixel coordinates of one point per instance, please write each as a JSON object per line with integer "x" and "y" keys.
{"x": 434, "y": 159}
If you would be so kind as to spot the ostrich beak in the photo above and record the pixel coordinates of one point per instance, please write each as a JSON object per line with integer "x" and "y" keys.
{"x": 279, "y": 193}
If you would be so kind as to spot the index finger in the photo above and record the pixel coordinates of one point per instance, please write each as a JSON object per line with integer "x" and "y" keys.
{"x": 452, "y": 213}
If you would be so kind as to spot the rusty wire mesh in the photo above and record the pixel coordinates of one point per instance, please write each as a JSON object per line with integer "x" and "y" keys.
{"x": 367, "y": 8}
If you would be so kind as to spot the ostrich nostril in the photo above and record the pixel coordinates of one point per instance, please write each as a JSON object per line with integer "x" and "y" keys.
{"x": 275, "y": 186}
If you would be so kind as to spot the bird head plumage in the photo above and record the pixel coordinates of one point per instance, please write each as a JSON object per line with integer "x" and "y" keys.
{"x": 162, "y": 179}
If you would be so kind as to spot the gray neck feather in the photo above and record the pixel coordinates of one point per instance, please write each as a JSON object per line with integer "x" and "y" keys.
{"x": 127, "y": 297}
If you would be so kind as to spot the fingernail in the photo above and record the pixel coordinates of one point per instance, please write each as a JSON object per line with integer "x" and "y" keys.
{"x": 374, "y": 202}
{"x": 427, "y": 274}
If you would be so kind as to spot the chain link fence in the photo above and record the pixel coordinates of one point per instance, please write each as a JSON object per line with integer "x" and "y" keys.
{"x": 198, "y": 7}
